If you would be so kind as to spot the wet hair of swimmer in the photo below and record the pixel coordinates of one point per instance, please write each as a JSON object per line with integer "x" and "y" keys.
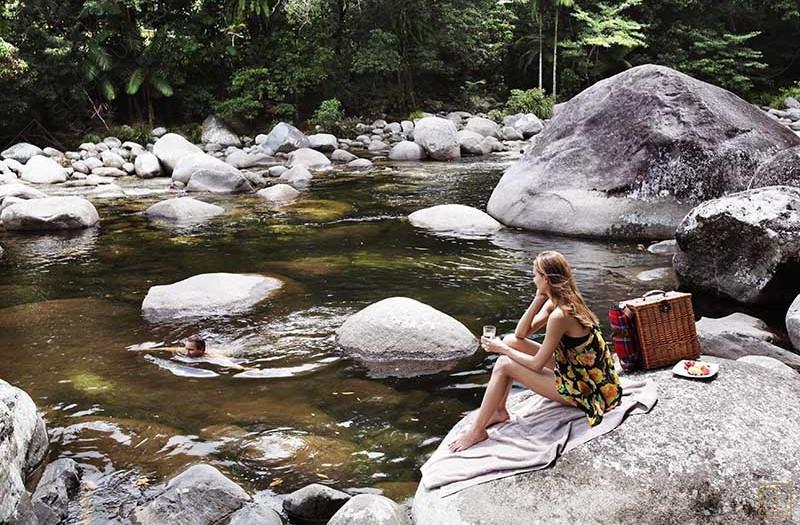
{"x": 198, "y": 342}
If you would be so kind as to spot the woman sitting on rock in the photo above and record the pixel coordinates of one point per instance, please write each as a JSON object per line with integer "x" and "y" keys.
{"x": 571, "y": 366}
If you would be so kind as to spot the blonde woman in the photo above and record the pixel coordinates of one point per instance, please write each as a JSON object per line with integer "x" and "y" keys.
{"x": 571, "y": 366}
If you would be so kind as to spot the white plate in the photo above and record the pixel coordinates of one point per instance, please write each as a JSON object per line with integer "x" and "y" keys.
{"x": 681, "y": 371}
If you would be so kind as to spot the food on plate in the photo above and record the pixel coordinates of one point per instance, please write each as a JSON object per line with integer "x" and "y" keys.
{"x": 696, "y": 369}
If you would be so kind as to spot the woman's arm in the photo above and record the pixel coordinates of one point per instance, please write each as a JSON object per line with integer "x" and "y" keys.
{"x": 556, "y": 327}
{"x": 527, "y": 322}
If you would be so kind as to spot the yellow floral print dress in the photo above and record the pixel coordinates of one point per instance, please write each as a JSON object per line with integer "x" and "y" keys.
{"x": 585, "y": 373}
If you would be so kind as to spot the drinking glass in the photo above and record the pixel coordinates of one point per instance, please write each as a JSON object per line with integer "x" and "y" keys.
{"x": 489, "y": 331}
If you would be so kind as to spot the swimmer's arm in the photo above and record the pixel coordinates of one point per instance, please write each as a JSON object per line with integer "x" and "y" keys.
{"x": 170, "y": 349}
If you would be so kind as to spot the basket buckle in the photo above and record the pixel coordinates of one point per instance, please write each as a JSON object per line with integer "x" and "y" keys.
{"x": 665, "y": 306}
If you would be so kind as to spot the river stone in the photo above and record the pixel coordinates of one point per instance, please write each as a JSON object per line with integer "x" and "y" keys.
{"x": 81, "y": 167}
{"x": 93, "y": 163}
{"x": 700, "y": 441}
{"x": 43, "y": 170}
{"x": 209, "y": 294}
{"x": 132, "y": 146}
{"x": 454, "y": 217}
{"x": 360, "y": 163}
{"x": 215, "y": 132}
{"x": 771, "y": 363}
{"x": 183, "y": 209}
{"x": 111, "y": 159}
{"x": 314, "y": 503}
{"x": 298, "y": 174}
{"x": 147, "y": 166}
{"x": 21, "y": 152}
{"x": 240, "y": 159}
{"x": 284, "y": 138}
{"x": 781, "y": 168}
{"x": 745, "y": 246}
{"x": 200, "y": 495}
{"x": 323, "y": 142}
{"x": 438, "y": 137}
{"x": 277, "y": 171}
{"x": 793, "y": 322}
{"x": 472, "y": 143}
{"x": 255, "y": 514}
{"x": 629, "y": 156}
{"x": 58, "y": 485}
{"x": 21, "y": 191}
{"x": 510, "y": 133}
{"x": 739, "y": 334}
{"x": 526, "y": 124}
{"x": 159, "y": 132}
{"x": 482, "y": 126}
{"x": 378, "y": 146}
{"x": 22, "y": 448}
{"x": 402, "y": 330}
{"x": 340, "y": 155}
{"x": 191, "y": 164}
{"x": 278, "y": 193}
{"x": 308, "y": 158}
{"x": 1, "y": 252}
{"x": 52, "y": 152}
{"x": 214, "y": 181}
{"x": 108, "y": 172}
{"x": 668, "y": 247}
{"x": 371, "y": 509}
{"x": 50, "y": 213}
{"x": 171, "y": 148}
{"x": 407, "y": 150}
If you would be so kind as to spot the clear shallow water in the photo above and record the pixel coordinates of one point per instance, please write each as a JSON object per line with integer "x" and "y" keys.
{"x": 70, "y": 306}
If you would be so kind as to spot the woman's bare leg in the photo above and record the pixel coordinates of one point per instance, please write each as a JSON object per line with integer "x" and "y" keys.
{"x": 529, "y": 347}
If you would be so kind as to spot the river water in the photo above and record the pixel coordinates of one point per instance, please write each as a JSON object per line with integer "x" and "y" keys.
{"x": 70, "y": 309}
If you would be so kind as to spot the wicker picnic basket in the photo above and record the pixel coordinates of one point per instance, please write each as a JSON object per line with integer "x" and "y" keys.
{"x": 665, "y": 329}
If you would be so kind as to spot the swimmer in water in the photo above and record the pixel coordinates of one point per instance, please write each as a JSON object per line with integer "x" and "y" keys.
{"x": 195, "y": 347}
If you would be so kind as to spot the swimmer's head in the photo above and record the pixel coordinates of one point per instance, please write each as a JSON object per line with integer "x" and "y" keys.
{"x": 194, "y": 345}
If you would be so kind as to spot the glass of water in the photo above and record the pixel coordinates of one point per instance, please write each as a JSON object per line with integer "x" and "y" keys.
{"x": 489, "y": 331}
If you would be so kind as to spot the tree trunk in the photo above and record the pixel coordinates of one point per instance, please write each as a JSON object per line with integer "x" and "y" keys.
{"x": 150, "y": 112}
{"x": 541, "y": 23}
{"x": 555, "y": 54}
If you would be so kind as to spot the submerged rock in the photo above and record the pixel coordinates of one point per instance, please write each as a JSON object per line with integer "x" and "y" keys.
{"x": 183, "y": 209}
{"x": 209, "y": 294}
{"x": 454, "y": 217}
{"x": 690, "y": 449}
{"x": 50, "y": 213}
{"x": 400, "y": 330}
{"x": 438, "y": 137}
{"x": 745, "y": 246}
{"x": 629, "y": 156}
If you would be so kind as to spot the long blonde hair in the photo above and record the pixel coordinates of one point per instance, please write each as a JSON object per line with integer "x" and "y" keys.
{"x": 563, "y": 290}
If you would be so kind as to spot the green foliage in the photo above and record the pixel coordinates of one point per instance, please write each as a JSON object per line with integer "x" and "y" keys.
{"x": 792, "y": 91}
{"x": 416, "y": 115}
{"x": 239, "y": 109}
{"x": 94, "y": 138}
{"x": 283, "y": 112}
{"x": 141, "y": 133}
{"x": 530, "y": 101}
{"x": 327, "y": 116}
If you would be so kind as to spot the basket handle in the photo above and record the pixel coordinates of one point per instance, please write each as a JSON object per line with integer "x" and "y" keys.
{"x": 653, "y": 292}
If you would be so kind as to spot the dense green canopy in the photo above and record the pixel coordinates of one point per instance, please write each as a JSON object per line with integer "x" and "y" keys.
{"x": 80, "y": 65}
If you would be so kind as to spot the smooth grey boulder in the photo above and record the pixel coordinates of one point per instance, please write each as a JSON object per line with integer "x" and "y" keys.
{"x": 200, "y": 495}
{"x": 667, "y": 247}
{"x": 284, "y": 138}
{"x": 108, "y": 172}
{"x": 406, "y": 150}
{"x": 323, "y": 142}
{"x": 255, "y": 514}
{"x": 277, "y": 171}
{"x": 191, "y": 164}
{"x": 370, "y": 509}
{"x": 510, "y": 133}
{"x": 21, "y": 152}
{"x": 215, "y": 132}
{"x": 240, "y": 159}
{"x": 209, "y": 294}
{"x": 793, "y": 322}
{"x": 739, "y": 334}
{"x": 378, "y": 146}
{"x": 58, "y": 485}
{"x": 360, "y": 163}
{"x": 403, "y": 337}
{"x": 111, "y": 159}
{"x": 81, "y": 167}
{"x": 340, "y": 155}
{"x": 454, "y": 217}
{"x": 308, "y": 158}
{"x": 781, "y": 168}
{"x": 526, "y": 124}
{"x": 314, "y": 503}
{"x": 93, "y": 163}
{"x": 438, "y": 137}
{"x": 278, "y": 193}
{"x": 745, "y": 246}
{"x": 22, "y": 448}
{"x": 629, "y": 156}
{"x": 183, "y": 209}
{"x": 21, "y": 191}
{"x": 43, "y": 170}
{"x": 112, "y": 142}
{"x": 159, "y": 132}
{"x": 147, "y": 166}
{"x": 771, "y": 363}
{"x": 472, "y": 143}
{"x": 171, "y": 148}
{"x": 216, "y": 181}
{"x": 50, "y": 213}
{"x": 298, "y": 174}
{"x": 482, "y": 126}
{"x": 699, "y": 440}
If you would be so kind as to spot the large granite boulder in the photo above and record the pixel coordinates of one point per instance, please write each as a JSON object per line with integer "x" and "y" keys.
{"x": 171, "y": 148}
{"x": 779, "y": 367}
{"x": 793, "y": 322}
{"x": 698, "y": 456}
{"x": 631, "y": 155}
{"x": 50, "y": 213}
{"x": 43, "y": 170}
{"x": 438, "y": 137}
{"x": 738, "y": 335}
{"x": 526, "y": 124}
{"x": 284, "y": 138}
{"x": 191, "y": 164}
{"x": 370, "y": 509}
{"x": 217, "y": 181}
{"x": 745, "y": 246}
{"x": 200, "y": 495}
{"x": 215, "y": 132}
{"x": 323, "y": 142}
{"x": 278, "y": 193}
{"x": 208, "y": 294}
{"x": 483, "y": 126}
{"x": 308, "y": 158}
{"x": 21, "y": 191}
{"x": 472, "y": 143}
{"x": 406, "y": 150}
{"x": 23, "y": 446}
{"x": 454, "y": 218}
{"x": 184, "y": 210}
{"x": 255, "y": 514}
{"x": 781, "y": 168}
{"x": 242, "y": 160}
{"x": 147, "y": 166}
{"x": 21, "y": 152}
{"x": 402, "y": 337}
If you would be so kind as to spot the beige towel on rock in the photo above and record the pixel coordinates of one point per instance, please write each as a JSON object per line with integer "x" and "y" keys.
{"x": 539, "y": 430}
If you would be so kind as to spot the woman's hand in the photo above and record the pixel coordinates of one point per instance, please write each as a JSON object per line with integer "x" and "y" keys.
{"x": 493, "y": 346}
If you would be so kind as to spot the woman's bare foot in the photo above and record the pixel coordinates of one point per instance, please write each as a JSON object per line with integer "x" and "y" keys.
{"x": 498, "y": 417}
{"x": 467, "y": 439}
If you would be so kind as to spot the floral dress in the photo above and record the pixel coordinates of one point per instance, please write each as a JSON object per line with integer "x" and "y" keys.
{"x": 585, "y": 374}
